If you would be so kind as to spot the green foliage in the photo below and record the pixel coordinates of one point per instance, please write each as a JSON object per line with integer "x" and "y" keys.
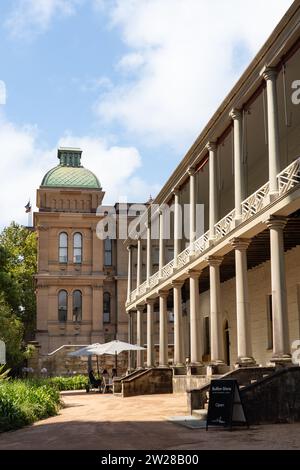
{"x": 23, "y": 401}
{"x": 11, "y": 332}
{"x": 4, "y": 373}
{"x": 78, "y": 382}
{"x": 19, "y": 265}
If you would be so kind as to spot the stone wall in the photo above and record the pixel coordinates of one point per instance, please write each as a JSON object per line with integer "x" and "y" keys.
{"x": 59, "y": 363}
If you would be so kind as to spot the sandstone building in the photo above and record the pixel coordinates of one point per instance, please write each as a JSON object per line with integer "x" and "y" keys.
{"x": 234, "y": 289}
{"x": 81, "y": 279}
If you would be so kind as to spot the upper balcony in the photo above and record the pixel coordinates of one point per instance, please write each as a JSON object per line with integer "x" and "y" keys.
{"x": 256, "y": 204}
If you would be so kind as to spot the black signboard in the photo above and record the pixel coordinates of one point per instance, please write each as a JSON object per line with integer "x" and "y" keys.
{"x": 225, "y": 407}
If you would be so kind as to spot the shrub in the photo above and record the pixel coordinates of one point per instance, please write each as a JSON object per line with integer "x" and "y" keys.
{"x": 23, "y": 402}
{"x": 77, "y": 382}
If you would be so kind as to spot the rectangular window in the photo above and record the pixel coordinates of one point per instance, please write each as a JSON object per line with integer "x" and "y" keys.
{"x": 108, "y": 252}
{"x": 269, "y": 322}
{"x": 171, "y": 317}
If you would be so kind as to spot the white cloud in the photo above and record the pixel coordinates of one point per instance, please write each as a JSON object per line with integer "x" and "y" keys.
{"x": 31, "y": 17}
{"x": 184, "y": 56}
{"x": 2, "y": 93}
{"x": 130, "y": 62}
{"x": 24, "y": 162}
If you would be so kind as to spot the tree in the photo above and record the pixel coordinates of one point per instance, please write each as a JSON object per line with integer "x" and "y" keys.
{"x": 11, "y": 332}
{"x": 19, "y": 254}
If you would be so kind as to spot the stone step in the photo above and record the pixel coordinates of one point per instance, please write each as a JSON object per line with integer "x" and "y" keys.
{"x": 200, "y": 414}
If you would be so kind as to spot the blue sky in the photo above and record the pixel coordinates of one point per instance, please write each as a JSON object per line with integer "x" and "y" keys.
{"x": 132, "y": 82}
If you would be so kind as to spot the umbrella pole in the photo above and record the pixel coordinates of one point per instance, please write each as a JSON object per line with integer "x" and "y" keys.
{"x": 116, "y": 363}
{"x": 98, "y": 366}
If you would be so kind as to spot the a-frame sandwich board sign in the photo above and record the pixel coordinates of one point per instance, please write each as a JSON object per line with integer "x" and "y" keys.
{"x": 225, "y": 406}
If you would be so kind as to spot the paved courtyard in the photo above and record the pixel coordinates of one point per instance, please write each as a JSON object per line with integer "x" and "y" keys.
{"x": 94, "y": 421}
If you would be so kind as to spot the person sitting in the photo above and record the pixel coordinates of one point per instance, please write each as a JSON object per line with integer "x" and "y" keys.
{"x": 96, "y": 383}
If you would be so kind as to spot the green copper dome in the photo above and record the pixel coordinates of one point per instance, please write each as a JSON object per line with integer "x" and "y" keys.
{"x": 69, "y": 173}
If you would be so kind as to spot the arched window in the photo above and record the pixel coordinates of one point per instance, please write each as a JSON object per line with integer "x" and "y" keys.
{"x": 77, "y": 305}
{"x": 62, "y": 306}
{"x": 106, "y": 307}
{"x": 107, "y": 252}
{"x": 63, "y": 248}
{"x": 77, "y": 248}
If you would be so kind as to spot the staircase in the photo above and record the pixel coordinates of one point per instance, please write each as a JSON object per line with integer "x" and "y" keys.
{"x": 145, "y": 382}
{"x": 269, "y": 395}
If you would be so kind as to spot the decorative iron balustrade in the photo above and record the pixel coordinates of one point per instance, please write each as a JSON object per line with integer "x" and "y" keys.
{"x": 225, "y": 225}
{"x": 183, "y": 257}
{"x": 256, "y": 202}
{"x": 167, "y": 270}
{"x": 143, "y": 288}
{"x": 154, "y": 280}
{"x": 289, "y": 177}
{"x": 202, "y": 243}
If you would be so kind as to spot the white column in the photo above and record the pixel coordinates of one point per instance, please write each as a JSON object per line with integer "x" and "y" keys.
{"x": 216, "y": 333}
{"x": 129, "y": 280}
{"x": 150, "y": 332}
{"x": 177, "y": 226}
{"x": 149, "y": 253}
{"x": 281, "y": 345}
{"x": 191, "y": 173}
{"x": 139, "y": 264}
{"x": 130, "y": 340}
{"x": 239, "y": 179}
{"x": 213, "y": 188}
{"x": 244, "y": 349}
{"x": 161, "y": 242}
{"x": 195, "y": 319}
{"x": 140, "y": 335}
{"x": 179, "y": 354}
{"x": 163, "y": 329}
{"x": 270, "y": 74}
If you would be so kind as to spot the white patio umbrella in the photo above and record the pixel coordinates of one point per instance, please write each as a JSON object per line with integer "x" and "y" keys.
{"x": 87, "y": 351}
{"x": 114, "y": 348}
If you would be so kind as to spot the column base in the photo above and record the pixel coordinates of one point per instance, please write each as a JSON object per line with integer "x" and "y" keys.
{"x": 245, "y": 362}
{"x": 196, "y": 369}
{"x": 282, "y": 360}
{"x": 163, "y": 366}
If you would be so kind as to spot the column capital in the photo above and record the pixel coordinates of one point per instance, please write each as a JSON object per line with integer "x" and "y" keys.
{"x": 276, "y": 222}
{"x": 236, "y": 114}
{"x": 240, "y": 243}
{"x": 163, "y": 293}
{"x": 211, "y": 146}
{"x": 175, "y": 191}
{"x": 140, "y": 308}
{"x": 150, "y": 301}
{"x": 177, "y": 283}
{"x": 214, "y": 261}
{"x": 191, "y": 171}
{"x": 269, "y": 73}
{"x": 129, "y": 247}
{"x": 194, "y": 273}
